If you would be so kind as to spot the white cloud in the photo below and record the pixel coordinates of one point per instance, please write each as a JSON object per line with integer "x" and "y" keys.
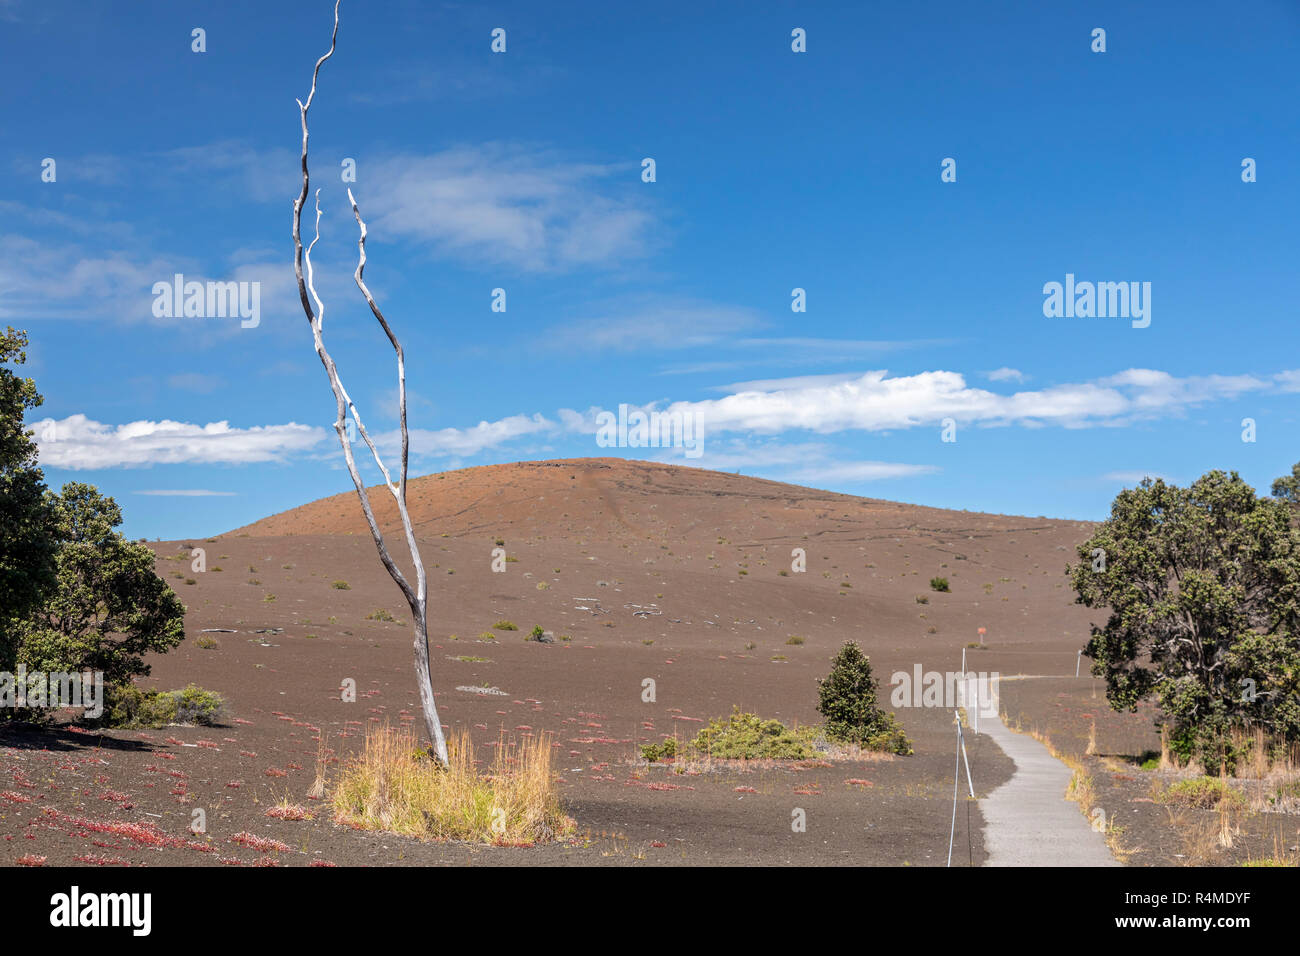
{"x": 508, "y": 204}
{"x": 874, "y": 401}
{"x": 79, "y": 443}
{"x": 1288, "y": 381}
{"x": 1006, "y": 374}
{"x": 821, "y": 404}
{"x": 848, "y": 472}
{"x": 195, "y": 382}
{"x": 465, "y": 441}
{"x": 58, "y": 279}
{"x": 652, "y": 322}
{"x": 1132, "y": 477}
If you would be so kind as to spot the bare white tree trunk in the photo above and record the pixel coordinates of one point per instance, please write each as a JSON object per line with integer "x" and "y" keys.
{"x": 417, "y": 597}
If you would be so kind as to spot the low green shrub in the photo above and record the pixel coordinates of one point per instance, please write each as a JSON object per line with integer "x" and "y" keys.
{"x": 194, "y": 705}
{"x": 126, "y": 705}
{"x": 1204, "y": 793}
{"x": 749, "y": 737}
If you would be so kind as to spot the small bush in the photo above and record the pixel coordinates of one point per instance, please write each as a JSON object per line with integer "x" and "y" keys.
{"x": 922, "y": 599}
{"x": 205, "y": 642}
{"x": 126, "y": 705}
{"x": 749, "y": 737}
{"x": 939, "y": 584}
{"x": 341, "y": 586}
{"x": 666, "y": 750}
{"x": 1204, "y": 793}
{"x": 794, "y": 640}
{"x": 504, "y": 626}
{"x": 380, "y": 615}
{"x": 194, "y": 705}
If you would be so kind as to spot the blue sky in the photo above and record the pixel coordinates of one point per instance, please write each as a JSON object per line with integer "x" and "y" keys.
{"x": 775, "y": 170}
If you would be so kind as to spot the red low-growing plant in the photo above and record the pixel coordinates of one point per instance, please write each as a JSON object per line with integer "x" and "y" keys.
{"x": 290, "y": 812}
{"x": 261, "y": 844}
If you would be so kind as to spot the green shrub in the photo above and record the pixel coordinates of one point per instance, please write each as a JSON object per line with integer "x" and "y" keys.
{"x": 660, "y": 751}
{"x": 1204, "y": 793}
{"x": 194, "y": 705}
{"x": 126, "y": 705}
{"x": 847, "y": 699}
{"x": 381, "y": 615}
{"x": 504, "y": 626}
{"x": 749, "y": 737}
{"x": 939, "y": 584}
{"x": 341, "y": 586}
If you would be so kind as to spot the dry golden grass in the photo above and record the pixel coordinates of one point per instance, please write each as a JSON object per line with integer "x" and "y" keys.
{"x": 317, "y": 791}
{"x": 395, "y": 786}
{"x": 1199, "y": 836}
{"x": 1281, "y": 856}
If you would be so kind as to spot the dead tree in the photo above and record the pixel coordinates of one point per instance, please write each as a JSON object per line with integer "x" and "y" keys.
{"x": 417, "y": 597}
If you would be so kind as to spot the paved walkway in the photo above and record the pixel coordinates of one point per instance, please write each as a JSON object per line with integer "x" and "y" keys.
{"x": 1028, "y": 821}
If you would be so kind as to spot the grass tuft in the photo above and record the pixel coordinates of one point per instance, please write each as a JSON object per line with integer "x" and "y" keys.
{"x": 395, "y": 786}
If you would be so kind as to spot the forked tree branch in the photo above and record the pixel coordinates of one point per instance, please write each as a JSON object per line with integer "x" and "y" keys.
{"x": 417, "y": 597}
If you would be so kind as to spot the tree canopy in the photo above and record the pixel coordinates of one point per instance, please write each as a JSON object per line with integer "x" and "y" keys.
{"x": 1203, "y": 587}
{"x": 74, "y": 593}
{"x": 108, "y": 607}
{"x": 26, "y": 551}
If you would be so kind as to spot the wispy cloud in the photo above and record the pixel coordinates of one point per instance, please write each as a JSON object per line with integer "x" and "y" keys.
{"x": 852, "y": 472}
{"x": 820, "y": 404}
{"x": 875, "y": 401}
{"x": 445, "y": 442}
{"x": 1132, "y": 476}
{"x": 195, "y": 382}
{"x": 794, "y": 462}
{"x": 80, "y": 443}
{"x": 1005, "y": 374}
{"x": 642, "y": 323}
{"x": 506, "y": 203}
{"x": 53, "y": 278}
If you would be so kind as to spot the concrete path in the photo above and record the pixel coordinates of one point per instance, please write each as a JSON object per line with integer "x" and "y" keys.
{"x": 1028, "y": 821}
